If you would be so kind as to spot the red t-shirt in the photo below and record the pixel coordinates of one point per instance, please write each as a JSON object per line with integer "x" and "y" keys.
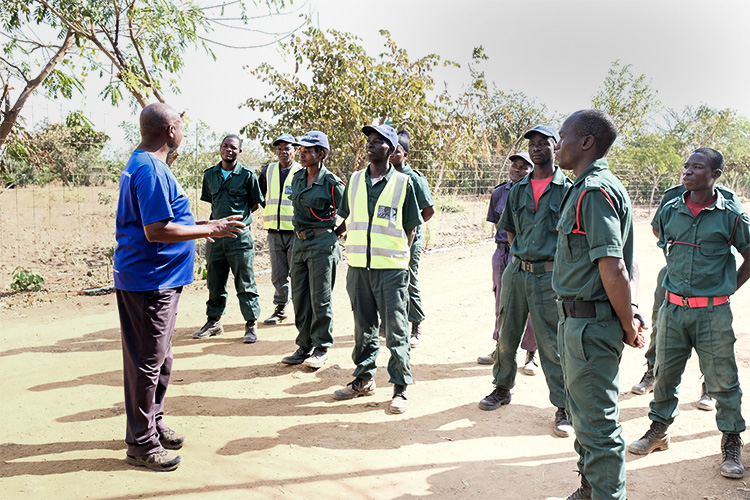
{"x": 538, "y": 186}
{"x": 695, "y": 208}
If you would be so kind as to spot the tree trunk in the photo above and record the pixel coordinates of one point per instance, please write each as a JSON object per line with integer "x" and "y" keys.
{"x": 10, "y": 117}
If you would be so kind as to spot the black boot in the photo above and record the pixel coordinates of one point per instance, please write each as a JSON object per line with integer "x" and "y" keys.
{"x": 731, "y": 453}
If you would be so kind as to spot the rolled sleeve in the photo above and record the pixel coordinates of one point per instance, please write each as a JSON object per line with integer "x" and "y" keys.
{"x": 602, "y": 224}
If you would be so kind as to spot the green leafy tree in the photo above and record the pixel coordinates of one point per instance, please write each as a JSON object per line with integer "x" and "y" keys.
{"x": 337, "y": 88}
{"x": 140, "y": 43}
{"x": 628, "y": 99}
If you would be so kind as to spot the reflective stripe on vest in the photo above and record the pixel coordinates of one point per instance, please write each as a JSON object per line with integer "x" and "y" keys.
{"x": 382, "y": 243}
{"x": 279, "y": 212}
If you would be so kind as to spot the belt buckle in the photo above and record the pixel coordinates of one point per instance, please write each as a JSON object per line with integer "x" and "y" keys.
{"x": 685, "y": 302}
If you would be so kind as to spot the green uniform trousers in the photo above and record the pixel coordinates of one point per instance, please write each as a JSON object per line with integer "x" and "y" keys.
{"x": 416, "y": 313}
{"x": 313, "y": 270}
{"x": 709, "y": 331}
{"x": 523, "y": 294}
{"x": 590, "y": 353}
{"x": 659, "y": 293}
{"x": 236, "y": 254}
{"x": 383, "y": 293}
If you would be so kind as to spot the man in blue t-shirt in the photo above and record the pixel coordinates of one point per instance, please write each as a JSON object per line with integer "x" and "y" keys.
{"x": 154, "y": 258}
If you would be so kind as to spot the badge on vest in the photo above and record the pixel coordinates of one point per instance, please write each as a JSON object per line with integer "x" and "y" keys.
{"x": 287, "y": 189}
{"x": 387, "y": 213}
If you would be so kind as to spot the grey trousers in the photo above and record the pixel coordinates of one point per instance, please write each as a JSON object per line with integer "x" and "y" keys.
{"x": 280, "y": 252}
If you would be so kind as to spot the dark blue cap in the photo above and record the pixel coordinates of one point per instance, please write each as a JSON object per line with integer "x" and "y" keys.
{"x": 386, "y": 131}
{"x": 313, "y": 138}
{"x": 523, "y": 155}
{"x": 284, "y": 138}
{"x": 544, "y": 129}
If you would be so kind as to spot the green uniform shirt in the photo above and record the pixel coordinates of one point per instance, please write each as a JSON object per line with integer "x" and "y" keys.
{"x": 596, "y": 221}
{"x": 316, "y": 205}
{"x": 700, "y": 262}
{"x": 421, "y": 188}
{"x": 675, "y": 191}
{"x": 234, "y": 195}
{"x": 535, "y": 229}
{"x": 411, "y": 217}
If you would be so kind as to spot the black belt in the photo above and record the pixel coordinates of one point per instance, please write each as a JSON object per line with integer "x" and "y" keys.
{"x": 538, "y": 267}
{"x": 582, "y": 308}
{"x": 308, "y": 234}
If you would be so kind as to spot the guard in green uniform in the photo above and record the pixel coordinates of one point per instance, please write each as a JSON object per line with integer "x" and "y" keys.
{"x": 382, "y": 214}
{"x": 427, "y": 208}
{"x": 591, "y": 277}
{"x": 232, "y": 189}
{"x": 646, "y": 385}
{"x": 696, "y": 231}
{"x": 530, "y": 218}
{"x": 316, "y": 192}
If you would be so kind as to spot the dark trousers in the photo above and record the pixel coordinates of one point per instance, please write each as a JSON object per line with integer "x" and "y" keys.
{"x": 147, "y": 322}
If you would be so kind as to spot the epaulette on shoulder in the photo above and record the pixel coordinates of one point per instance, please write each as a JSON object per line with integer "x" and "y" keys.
{"x": 726, "y": 192}
{"x": 592, "y": 183}
{"x": 676, "y": 186}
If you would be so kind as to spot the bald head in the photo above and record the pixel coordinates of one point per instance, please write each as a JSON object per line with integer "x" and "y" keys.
{"x": 161, "y": 129}
{"x": 156, "y": 118}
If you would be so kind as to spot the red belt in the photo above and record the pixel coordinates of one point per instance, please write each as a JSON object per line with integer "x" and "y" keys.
{"x": 679, "y": 300}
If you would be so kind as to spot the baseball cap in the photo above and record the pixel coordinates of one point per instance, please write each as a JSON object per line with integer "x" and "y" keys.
{"x": 523, "y": 155}
{"x": 544, "y": 129}
{"x": 284, "y": 138}
{"x": 313, "y": 138}
{"x": 386, "y": 131}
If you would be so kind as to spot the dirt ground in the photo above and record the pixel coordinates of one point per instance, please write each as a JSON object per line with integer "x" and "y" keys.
{"x": 259, "y": 429}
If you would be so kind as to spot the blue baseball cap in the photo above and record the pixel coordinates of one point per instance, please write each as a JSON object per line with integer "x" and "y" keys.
{"x": 313, "y": 138}
{"x": 284, "y": 138}
{"x": 386, "y": 131}
{"x": 523, "y": 155}
{"x": 544, "y": 129}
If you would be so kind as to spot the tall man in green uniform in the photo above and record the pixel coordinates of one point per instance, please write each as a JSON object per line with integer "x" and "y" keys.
{"x": 232, "y": 189}
{"x": 591, "y": 277}
{"x": 530, "y": 219}
{"x": 381, "y": 214}
{"x": 427, "y": 208}
{"x": 275, "y": 182}
{"x": 696, "y": 231}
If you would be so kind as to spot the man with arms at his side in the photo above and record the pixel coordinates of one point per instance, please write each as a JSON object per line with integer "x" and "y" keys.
{"x": 591, "y": 276}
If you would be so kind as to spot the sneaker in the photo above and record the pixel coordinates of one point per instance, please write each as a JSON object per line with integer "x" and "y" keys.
{"x": 486, "y": 360}
{"x": 498, "y": 398}
{"x": 170, "y": 439}
{"x": 731, "y": 454}
{"x": 299, "y": 356}
{"x": 400, "y": 402}
{"x": 646, "y": 384}
{"x": 562, "y": 426}
{"x": 582, "y": 493}
{"x": 318, "y": 358}
{"x": 531, "y": 366}
{"x": 416, "y": 335}
{"x": 656, "y": 438}
{"x": 160, "y": 460}
{"x": 251, "y": 332}
{"x": 356, "y": 388}
{"x": 211, "y": 328}
{"x": 706, "y": 402}
{"x": 279, "y": 315}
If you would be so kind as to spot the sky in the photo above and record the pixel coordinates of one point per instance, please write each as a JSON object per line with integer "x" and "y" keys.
{"x": 556, "y": 51}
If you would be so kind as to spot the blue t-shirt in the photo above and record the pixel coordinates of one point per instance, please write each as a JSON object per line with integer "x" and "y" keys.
{"x": 149, "y": 192}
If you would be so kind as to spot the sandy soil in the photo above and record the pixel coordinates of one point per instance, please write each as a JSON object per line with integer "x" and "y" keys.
{"x": 260, "y": 429}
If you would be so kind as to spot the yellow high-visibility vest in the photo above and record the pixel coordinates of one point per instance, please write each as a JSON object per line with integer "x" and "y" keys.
{"x": 279, "y": 212}
{"x": 382, "y": 243}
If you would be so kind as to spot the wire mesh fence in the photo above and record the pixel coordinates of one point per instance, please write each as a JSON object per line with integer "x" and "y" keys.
{"x": 69, "y": 230}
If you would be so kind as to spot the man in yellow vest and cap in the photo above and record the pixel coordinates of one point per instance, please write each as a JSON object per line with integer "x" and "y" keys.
{"x": 381, "y": 214}
{"x": 276, "y": 185}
